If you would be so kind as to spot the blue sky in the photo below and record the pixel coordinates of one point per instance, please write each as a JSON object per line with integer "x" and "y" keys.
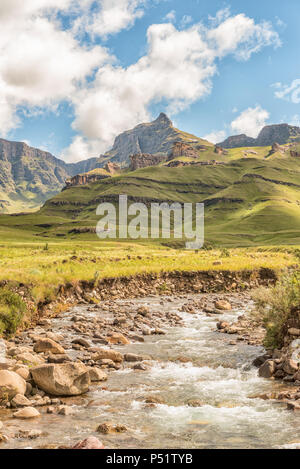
{"x": 75, "y": 74}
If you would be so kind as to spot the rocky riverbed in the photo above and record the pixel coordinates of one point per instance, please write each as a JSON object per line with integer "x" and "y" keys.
{"x": 165, "y": 372}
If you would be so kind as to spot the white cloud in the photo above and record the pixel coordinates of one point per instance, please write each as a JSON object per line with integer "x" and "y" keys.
{"x": 171, "y": 16}
{"x": 216, "y": 136}
{"x": 288, "y": 92}
{"x": 80, "y": 149}
{"x": 250, "y": 121}
{"x": 40, "y": 64}
{"x": 241, "y": 36}
{"x": 110, "y": 17}
{"x": 178, "y": 68}
{"x": 186, "y": 19}
{"x": 43, "y": 64}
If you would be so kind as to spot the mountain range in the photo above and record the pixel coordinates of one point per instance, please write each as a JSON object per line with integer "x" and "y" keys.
{"x": 29, "y": 176}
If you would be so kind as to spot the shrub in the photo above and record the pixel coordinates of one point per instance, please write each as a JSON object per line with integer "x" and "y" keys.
{"x": 225, "y": 253}
{"x": 276, "y": 306}
{"x": 12, "y": 309}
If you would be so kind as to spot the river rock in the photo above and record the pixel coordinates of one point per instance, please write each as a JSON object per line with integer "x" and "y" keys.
{"x": 131, "y": 357}
{"x": 20, "y": 401}
{"x": 83, "y": 342}
{"x": 108, "y": 429}
{"x": 259, "y": 361}
{"x": 48, "y": 345}
{"x": 23, "y": 372}
{"x": 194, "y": 403}
{"x": 65, "y": 410}
{"x": 154, "y": 400}
{"x": 89, "y": 443}
{"x": 295, "y": 406}
{"x": 297, "y": 376}
{"x": 96, "y": 374}
{"x": 140, "y": 367}
{"x": 58, "y": 358}
{"x": 223, "y": 305}
{"x": 68, "y": 379}
{"x": 222, "y": 325}
{"x": 27, "y": 413}
{"x": 11, "y": 384}
{"x": 30, "y": 359}
{"x": 294, "y": 331}
{"x": 290, "y": 366}
{"x": 118, "y": 339}
{"x": 108, "y": 354}
{"x": 267, "y": 369}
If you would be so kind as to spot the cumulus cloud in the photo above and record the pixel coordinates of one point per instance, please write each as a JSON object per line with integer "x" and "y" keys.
{"x": 40, "y": 64}
{"x": 178, "y": 68}
{"x": 288, "y": 92}
{"x": 216, "y": 136}
{"x": 44, "y": 62}
{"x": 242, "y": 37}
{"x": 250, "y": 121}
{"x": 110, "y": 17}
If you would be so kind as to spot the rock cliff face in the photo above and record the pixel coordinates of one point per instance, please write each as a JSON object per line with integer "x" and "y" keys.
{"x": 156, "y": 137}
{"x": 143, "y": 160}
{"x": 179, "y": 149}
{"x": 281, "y": 134}
{"x": 183, "y": 149}
{"x": 29, "y": 176}
{"x": 82, "y": 179}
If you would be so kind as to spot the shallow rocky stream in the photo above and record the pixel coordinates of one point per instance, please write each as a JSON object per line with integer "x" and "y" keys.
{"x": 190, "y": 362}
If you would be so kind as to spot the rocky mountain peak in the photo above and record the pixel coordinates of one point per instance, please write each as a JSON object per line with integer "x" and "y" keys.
{"x": 279, "y": 133}
{"x": 149, "y": 138}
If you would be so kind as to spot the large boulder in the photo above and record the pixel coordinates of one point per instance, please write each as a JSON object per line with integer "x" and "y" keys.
{"x": 48, "y": 345}
{"x": 11, "y": 384}
{"x": 67, "y": 379}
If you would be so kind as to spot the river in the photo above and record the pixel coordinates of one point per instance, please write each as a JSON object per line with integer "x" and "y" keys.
{"x": 190, "y": 362}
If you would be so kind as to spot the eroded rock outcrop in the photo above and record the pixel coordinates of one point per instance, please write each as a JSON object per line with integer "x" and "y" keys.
{"x": 143, "y": 160}
{"x": 183, "y": 149}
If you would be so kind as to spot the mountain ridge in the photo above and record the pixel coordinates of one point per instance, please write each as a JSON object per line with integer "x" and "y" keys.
{"x": 270, "y": 134}
{"x": 29, "y": 176}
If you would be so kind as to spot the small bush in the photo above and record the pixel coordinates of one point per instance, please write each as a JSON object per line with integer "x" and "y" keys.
{"x": 225, "y": 253}
{"x": 276, "y": 306}
{"x": 12, "y": 309}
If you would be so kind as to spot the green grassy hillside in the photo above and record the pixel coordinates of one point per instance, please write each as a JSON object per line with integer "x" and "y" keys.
{"x": 248, "y": 201}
